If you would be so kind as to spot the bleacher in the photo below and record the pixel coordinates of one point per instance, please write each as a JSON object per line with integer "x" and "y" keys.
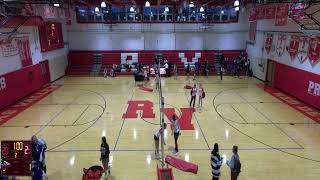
{"x": 82, "y": 62}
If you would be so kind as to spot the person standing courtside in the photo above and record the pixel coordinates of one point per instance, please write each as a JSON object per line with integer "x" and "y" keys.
{"x": 201, "y": 95}
{"x": 175, "y": 132}
{"x": 216, "y": 162}
{"x": 193, "y": 95}
{"x": 175, "y": 70}
{"x": 234, "y": 164}
{"x": 104, "y": 155}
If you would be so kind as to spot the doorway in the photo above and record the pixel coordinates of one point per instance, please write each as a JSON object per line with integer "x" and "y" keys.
{"x": 271, "y": 68}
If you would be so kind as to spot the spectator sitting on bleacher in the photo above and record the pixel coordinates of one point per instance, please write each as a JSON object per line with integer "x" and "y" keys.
{"x": 188, "y": 70}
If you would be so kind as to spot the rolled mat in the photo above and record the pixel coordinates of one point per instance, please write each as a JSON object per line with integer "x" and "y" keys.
{"x": 188, "y": 87}
{"x": 181, "y": 164}
{"x": 145, "y": 89}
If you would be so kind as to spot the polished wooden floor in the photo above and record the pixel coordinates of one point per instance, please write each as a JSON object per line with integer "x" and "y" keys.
{"x": 275, "y": 141}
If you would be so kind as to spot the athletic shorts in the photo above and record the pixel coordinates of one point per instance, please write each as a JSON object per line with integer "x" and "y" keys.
{"x": 156, "y": 138}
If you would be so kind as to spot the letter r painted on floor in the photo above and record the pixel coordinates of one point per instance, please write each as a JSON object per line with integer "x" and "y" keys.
{"x": 185, "y": 120}
{"x": 146, "y": 107}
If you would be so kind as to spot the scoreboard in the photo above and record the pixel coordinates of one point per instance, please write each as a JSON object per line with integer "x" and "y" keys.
{"x": 19, "y": 156}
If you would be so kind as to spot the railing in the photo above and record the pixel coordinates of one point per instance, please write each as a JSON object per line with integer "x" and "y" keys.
{"x": 197, "y": 17}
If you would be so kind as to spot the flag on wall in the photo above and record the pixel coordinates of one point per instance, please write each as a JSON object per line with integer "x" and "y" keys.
{"x": 252, "y": 31}
{"x": 281, "y": 15}
{"x": 9, "y": 47}
{"x": 24, "y": 51}
{"x": 281, "y": 44}
{"x": 268, "y": 42}
{"x": 260, "y": 13}
{"x": 253, "y": 14}
{"x": 296, "y": 10}
{"x": 270, "y": 12}
{"x": 293, "y": 46}
{"x": 314, "y": 50}
{"x": 303, "y": 48}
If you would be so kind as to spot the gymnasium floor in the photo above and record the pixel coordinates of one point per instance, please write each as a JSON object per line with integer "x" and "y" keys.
{"x": 275, "y": 141}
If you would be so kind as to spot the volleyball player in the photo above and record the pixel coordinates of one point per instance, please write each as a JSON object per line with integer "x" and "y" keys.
{"x": 175, "y": 132}
{"x": 156, "y": 137}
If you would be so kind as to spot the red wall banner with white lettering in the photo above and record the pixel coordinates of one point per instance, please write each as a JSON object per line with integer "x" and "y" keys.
{"x": 298, "y": 83}
{"x": 281, "y": 15}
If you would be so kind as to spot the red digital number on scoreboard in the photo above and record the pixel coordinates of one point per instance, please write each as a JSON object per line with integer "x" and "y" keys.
{"x": 18, "y": 155}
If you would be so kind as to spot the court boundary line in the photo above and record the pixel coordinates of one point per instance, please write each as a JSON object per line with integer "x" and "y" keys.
{"x": 168, "y": 150}
{"x": 195, "y": 116}
{"x": 257, "y": 140}
{"x": 123, "y": 121}
{"x": 266, "y": 117}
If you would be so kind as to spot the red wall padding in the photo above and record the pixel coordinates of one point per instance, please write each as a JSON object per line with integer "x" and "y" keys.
{"x": 19, "y": 84}
{"x": 296, "y": 83}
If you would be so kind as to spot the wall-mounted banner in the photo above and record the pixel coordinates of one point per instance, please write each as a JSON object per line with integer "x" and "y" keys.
{"x": 270, "y": 12}
{"x": 24, "y": 51}
{"x": 281, "y": 44}
{"x": 268, "y": 42}
{"x": 294, "y": 46}
{"x": 314, "y": 50}
{"x": 253, "y": 15}
{"x": 296, "y": 10}
{"x": 281, "y": 15}
{"x": 303, "y": 49}
{"x": 9, "y": 47}
{"x": 260, "y": 13}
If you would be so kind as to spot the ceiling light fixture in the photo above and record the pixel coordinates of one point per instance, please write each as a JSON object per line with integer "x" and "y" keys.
{"x": 131, "y": 9}
{"x": 96, "y": 9}
{"x": 201, "y": 9}
{"x": 103, "y": 4}
{"x": 166, "y": 9}
{"x": 56, "y": 5}
{"x": 191, "y": 4}
{"x": 147, "y": 4}
{"x": 236, "y": 3}
{"x": 237, "y": 8}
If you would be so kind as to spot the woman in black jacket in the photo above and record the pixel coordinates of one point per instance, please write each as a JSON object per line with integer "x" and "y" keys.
{"x": 105, "y": 152}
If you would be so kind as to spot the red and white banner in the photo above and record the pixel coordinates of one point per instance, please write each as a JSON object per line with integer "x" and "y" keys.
{"x": 270, "y": 12}
{"x": 252, "y": 31}
{"x": 24, "y": 51}
{"x": 268, "y": 43}
{"x": 253, "y": 15}
{"x": 281, "y": 15}
{"x": 296, "y": 10}
{"x": 281, "y": 44}
{"x": 294, "y": 46}
{"x": 9, "y": 47}
{"x": 314, "y": 50}
{"x": 303, "y": 49}
{"x": 260, "y": 13}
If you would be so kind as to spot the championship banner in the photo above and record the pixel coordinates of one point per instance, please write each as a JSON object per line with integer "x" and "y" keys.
{"x": 270, "y": 12}
{"x": 268, "y": 43}
{"x": 281, "y": 15}
{"x": 281, "y": 44}
{"x": 9, "y": 47}
{"x": 296, "y": 10}
{"x": 260, "y": 13}
{"x": 252, "y": 31}
{"x": 303, "y": 49}
{"x": 253, "y": 14}
{"x": 294, "y": 46}
{"x": 314, "y": 50}
{"x": 24, "y": 51}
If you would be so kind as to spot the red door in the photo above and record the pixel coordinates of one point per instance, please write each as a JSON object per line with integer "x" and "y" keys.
{"x": 45, "y": 72}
